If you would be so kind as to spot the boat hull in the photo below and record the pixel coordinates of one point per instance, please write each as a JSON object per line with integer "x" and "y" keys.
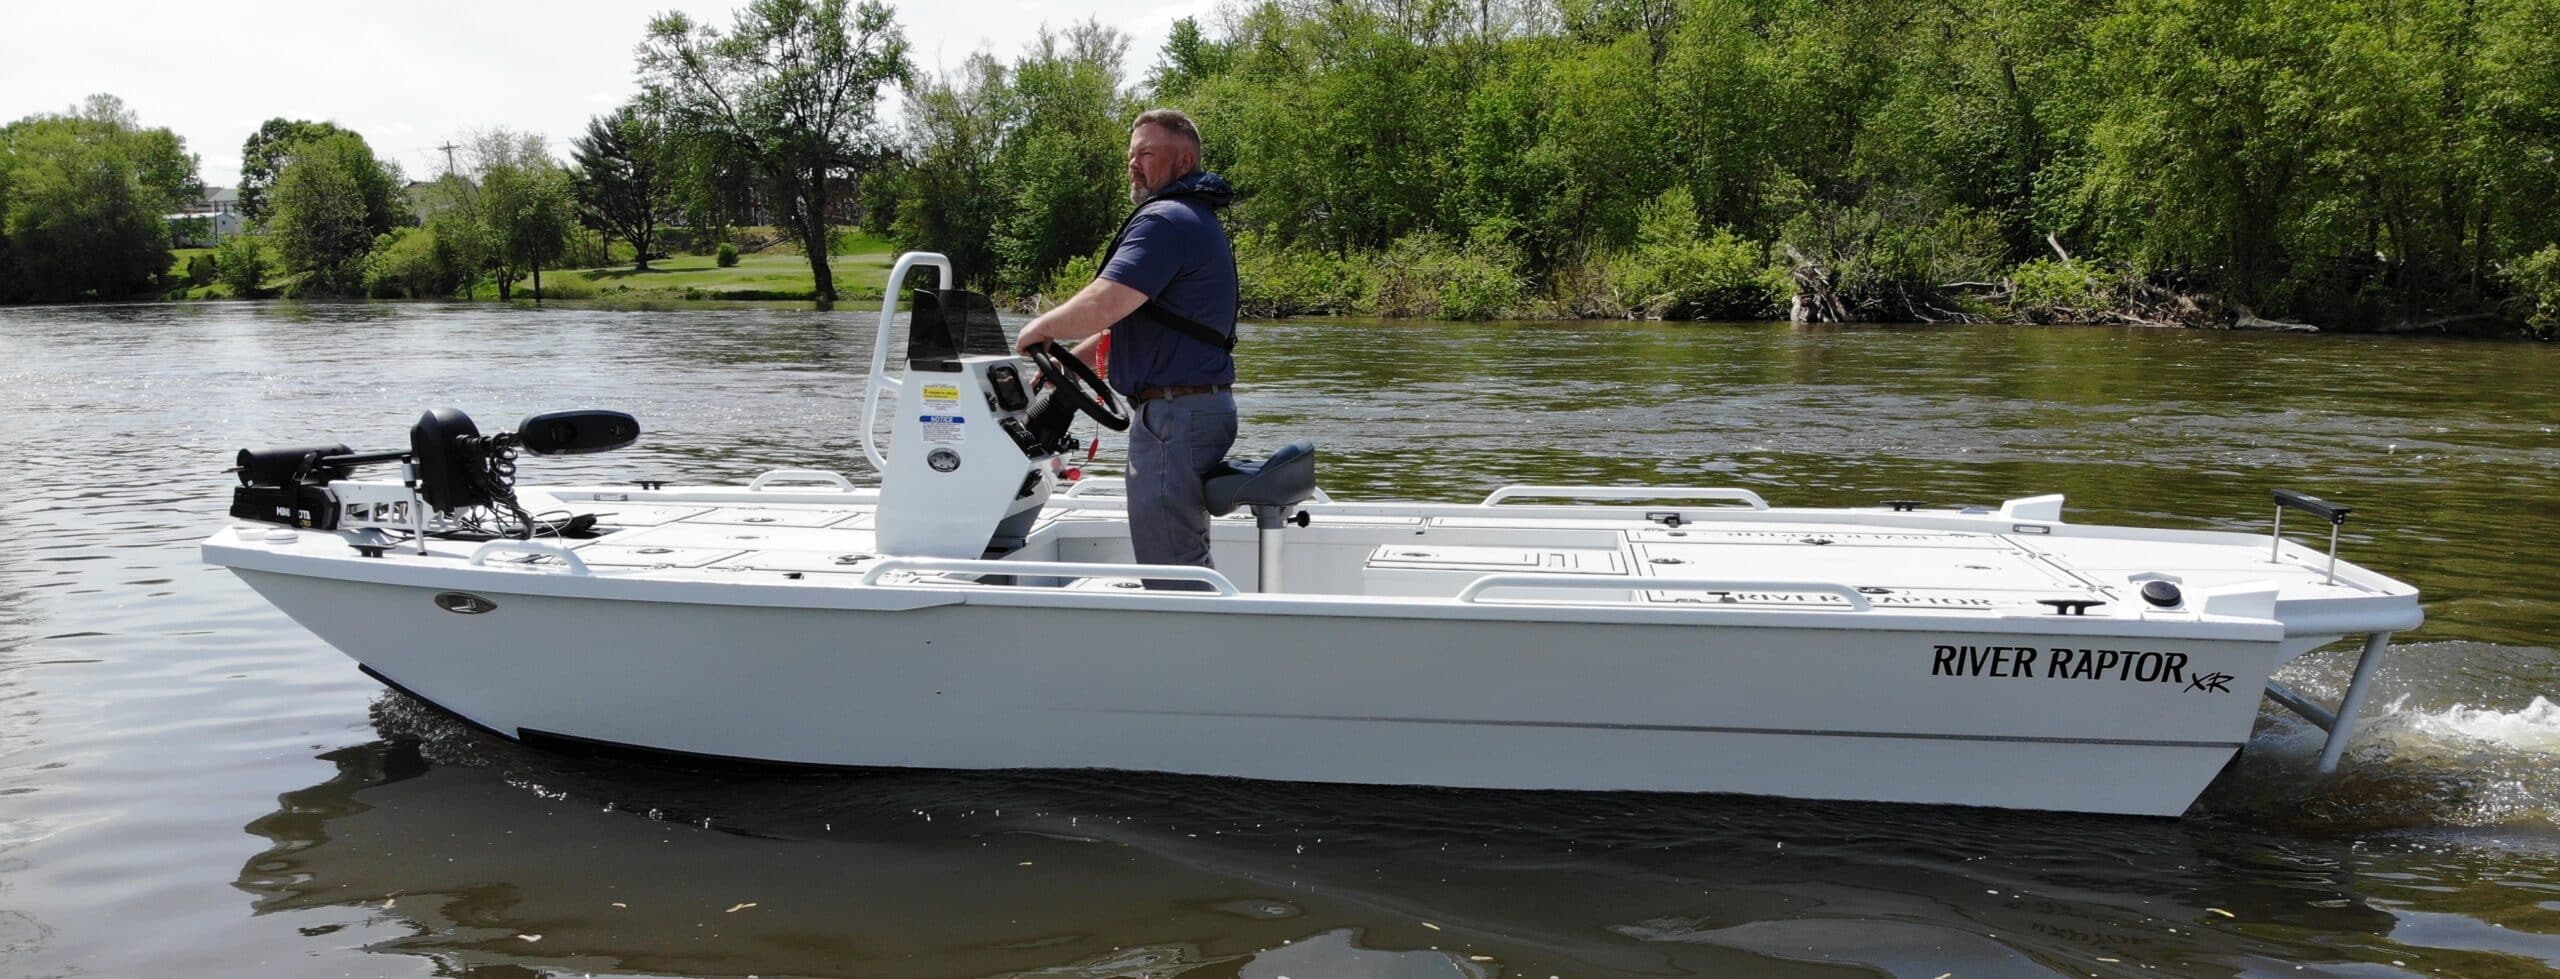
{"x": 1954, "y": 717}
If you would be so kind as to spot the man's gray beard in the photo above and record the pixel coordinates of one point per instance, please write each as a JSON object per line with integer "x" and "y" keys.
{"x": 1138, "y": 192}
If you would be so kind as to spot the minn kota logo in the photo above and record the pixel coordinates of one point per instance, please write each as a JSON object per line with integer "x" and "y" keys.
{"x": 463, "y": 602}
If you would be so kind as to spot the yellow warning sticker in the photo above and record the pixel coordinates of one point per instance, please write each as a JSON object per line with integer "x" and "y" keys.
{"x": 942, "y": 394}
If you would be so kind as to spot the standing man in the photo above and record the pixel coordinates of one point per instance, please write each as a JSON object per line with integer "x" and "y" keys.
{"x": 1167, "y": 293}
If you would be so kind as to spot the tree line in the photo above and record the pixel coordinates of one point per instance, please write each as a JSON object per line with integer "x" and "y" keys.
{"x": 2355, "y": 163}
{"x": 770, "y": 120}
{"x": 2372, "y": 164}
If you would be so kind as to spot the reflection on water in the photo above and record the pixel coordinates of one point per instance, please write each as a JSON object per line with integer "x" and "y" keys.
{"x": 151, "y": 708}
{"x": 444, "y": 842}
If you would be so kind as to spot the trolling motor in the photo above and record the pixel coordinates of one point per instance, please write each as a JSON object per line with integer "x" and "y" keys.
{"x": 449, "y": 465}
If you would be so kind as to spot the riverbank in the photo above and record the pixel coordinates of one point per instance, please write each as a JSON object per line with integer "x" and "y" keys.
{"x": 778, "y": 273}
{"x": 1716, "y": 283}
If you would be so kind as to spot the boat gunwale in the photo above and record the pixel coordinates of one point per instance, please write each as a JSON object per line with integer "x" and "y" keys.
{"x": 655, "y": 586}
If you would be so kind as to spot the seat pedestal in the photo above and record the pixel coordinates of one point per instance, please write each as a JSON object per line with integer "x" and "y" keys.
{"x": 1270, "y": 487}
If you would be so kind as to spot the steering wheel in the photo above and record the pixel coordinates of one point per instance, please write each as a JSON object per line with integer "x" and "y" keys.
{"x": 1082, "y": 387}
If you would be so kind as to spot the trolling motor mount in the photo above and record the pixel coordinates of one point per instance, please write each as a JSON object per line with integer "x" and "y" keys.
{"x": 456, "y": 467}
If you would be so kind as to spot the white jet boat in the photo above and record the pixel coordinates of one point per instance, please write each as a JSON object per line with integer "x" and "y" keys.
{"x": 974, "y": 610}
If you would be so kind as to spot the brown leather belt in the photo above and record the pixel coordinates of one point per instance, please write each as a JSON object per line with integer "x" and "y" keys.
{"x": 1152, "y": 392}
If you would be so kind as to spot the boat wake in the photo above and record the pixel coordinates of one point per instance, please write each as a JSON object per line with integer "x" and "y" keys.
{"x": 2430, "y": 754}
{"x": 2534, "y": 729}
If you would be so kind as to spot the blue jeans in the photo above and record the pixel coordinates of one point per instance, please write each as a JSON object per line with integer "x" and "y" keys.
{"x": 1172, "y": 443}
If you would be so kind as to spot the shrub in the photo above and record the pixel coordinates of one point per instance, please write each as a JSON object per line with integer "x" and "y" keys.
{"x": 562, "y": 285}
{"x": 1722, "y": 277}
{"x": 200, "y": 269}
{"x": 727, "y": 256}
{"x": 1884, "y": 264}
{"x": 2047, "y": 290}
{"x": 1279, "y": 281}
{"x": 1070, "y": 278}
{"x": 1426, "y": 275}
{"x": 1483, "y": 281}
{"x": 411, "y": 262}
{"x": 586, "y": 250}
{"x": 1582, "y": 286}
{"x": 2536, "y": 279}
{"x": 1673, "y": 273}
{"x": 853, "y": 240}
{"x": 240, "y": 263}
{"x": 686, "y": 239}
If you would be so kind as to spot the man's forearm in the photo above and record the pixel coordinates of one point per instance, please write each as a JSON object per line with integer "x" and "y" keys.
{"x": 1090, "y": 311}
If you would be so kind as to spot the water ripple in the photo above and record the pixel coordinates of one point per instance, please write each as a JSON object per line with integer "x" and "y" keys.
{"x": 174, "y": 751}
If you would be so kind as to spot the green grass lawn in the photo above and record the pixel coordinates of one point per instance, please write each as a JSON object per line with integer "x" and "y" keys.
{"x": 698, "y": 277}
{"x": 860, "y": 274}
{"x": 777, "y": 274}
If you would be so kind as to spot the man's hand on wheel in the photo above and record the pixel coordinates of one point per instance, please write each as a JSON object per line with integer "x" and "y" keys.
{"x": 1033, "y": 335}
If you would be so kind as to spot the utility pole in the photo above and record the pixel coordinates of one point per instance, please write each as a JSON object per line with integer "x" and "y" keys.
{"x": 448, "y": 149}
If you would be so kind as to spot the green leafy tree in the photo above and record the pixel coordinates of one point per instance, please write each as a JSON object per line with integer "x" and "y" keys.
{"x": 240, "y": 264}
{"x": 328, "y": 205}
{"x": 1189, "y": 58}
{"x": 11, "y": 289}
{"x": 1388, "y": 84}
{"x": 1062, "y": 172}
{"x": 2204, "y": 153}
{"x": 794, "y": 87}
{"x": 949, "y": 195}
{"x": 2514, "y": 127}
{"x": 523, "y": 207}
{"x": 2358, "y": 162}
{"x": 82, "y": 195}
{"x": 623, "y": 182}
{"x": 464, "y": 244}
{"x": 1606, "y": 149}
{"x": 264, "y": 154}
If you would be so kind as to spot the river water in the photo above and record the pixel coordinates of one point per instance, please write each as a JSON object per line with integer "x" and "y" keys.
{"x": 191, "y": 785}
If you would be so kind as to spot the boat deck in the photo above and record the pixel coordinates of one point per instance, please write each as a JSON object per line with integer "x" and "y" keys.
{"x": 2016, "y": 560}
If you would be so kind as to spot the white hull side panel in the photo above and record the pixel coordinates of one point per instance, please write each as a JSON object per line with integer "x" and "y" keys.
{"x": 1802, "y": 712}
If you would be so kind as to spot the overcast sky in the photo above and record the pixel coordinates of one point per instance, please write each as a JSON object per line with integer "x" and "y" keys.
{"x": 411, "y": 75}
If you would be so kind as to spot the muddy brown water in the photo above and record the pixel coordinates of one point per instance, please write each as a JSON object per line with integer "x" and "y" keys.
{"x": 191, "y": 785}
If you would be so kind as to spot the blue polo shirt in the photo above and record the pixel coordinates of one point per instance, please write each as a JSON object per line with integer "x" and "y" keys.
{"x": 1175, "y": 252}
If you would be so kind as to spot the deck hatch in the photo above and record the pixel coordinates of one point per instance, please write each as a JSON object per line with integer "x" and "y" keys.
{"x": 1837, "y": 534}
{"x": 652, "y": 555}
{"x": 633, "y": 514}
{"x": 1438, "y": 570}
{"x": 1905, "y": 569}
{"x": 775, "y": 517}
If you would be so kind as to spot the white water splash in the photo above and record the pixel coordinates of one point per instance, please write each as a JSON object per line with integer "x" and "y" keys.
{"x": 2534, "y": 728}
{"x": 2407, "y": 767}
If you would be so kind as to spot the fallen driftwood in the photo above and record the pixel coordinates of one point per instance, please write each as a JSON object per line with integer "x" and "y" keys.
{"x": 2249, "y": 320}
{"x": 1816, "y": 301}
{"x": 2439, "y": 324}
{"x": 2129, "y": 319}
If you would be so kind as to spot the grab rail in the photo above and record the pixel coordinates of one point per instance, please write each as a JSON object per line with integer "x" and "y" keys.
{"x": 871, "y": 391}
{"x": 1476, "y": 589}
{"x": 879, "y": 379}
{"x": 1100, "y": 483}
{"x": 480, "y": 555}
{"x": 1630, "y": 493}
{"x": 1051, "y": 569}
{"x": 822, "y": 475}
